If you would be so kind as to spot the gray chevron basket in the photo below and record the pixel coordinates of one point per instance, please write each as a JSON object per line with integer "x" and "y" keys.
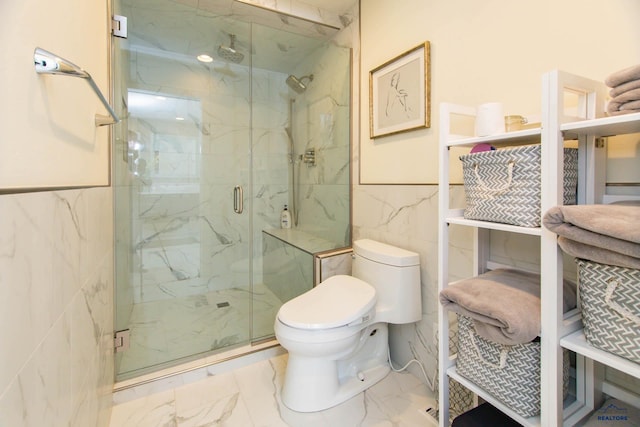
{"x": 610, "y": 297}
{"x": 511, "y": 373}
{"x": 504, "y": 185}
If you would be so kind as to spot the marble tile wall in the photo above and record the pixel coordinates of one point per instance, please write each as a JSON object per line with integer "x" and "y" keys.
{"x": 56, "y": 302}
{"x": 333, "y": 264}
{"x": 321, "y": 122}
{"x": 407, "y": 216}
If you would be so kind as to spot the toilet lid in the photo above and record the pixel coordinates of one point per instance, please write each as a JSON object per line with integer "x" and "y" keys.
{"x": 338, "y": 301}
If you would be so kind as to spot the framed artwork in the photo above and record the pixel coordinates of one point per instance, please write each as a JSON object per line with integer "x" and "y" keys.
{"x": 399, "y": 93}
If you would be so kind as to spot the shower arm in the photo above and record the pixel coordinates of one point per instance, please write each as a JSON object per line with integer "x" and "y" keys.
{"x": 48, "y": 63}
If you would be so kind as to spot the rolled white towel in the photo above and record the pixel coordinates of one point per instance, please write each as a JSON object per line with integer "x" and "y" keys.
{"x": 624, "y": 87}
{"x": 629, "y": 106}
{"x": 621, "y": 112}
{"x": 623, "y": 76}
{"x": 630, "y": 95}
{"x": 624, "y": 98}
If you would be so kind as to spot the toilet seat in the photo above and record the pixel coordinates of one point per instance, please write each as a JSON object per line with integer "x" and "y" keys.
{"x": 338, "y": 301}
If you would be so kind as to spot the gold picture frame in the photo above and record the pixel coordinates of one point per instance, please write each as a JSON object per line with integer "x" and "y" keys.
{"x": 400, "y": 93}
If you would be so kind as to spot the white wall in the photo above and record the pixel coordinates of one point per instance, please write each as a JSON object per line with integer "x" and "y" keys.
{"x": 48, "y": 120}
{"x": 494, "y": 50}
{"x": 56, "y": 256}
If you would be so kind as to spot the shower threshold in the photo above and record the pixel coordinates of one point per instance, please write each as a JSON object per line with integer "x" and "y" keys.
{"x": 198, "y": 369}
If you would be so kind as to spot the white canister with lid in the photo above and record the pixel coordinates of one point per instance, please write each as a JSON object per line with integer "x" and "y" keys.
{"x": 489, "y": 119}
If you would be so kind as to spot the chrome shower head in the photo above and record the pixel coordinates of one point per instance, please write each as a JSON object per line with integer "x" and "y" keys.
{"x": 230, "y": 53}
{"x": 296, "y": 83}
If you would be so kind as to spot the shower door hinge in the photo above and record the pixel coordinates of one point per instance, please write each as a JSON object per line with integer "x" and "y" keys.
{"x": 119, "y": 26}
{"x": 121, "y": 340}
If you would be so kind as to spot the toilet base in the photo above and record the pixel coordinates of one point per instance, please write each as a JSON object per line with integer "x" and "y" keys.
{"x": 315, "y": 384}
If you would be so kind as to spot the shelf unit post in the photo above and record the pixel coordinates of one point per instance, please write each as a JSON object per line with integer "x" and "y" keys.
{"x": 551, "y": 361}
{"x": 556, "y": 85}
{"x": 444, "y": 361}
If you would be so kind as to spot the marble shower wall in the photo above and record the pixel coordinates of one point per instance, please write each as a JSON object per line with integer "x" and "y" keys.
{"x": 56, "y": 308}
{"x": 304, "y": 11}
{"x": 321, "y": 122}
{"x": 184, "y": 230}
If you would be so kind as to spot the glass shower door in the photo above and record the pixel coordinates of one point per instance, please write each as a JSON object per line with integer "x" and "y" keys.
{"x": 181, "y": 182}
{"x": 213, "y": 143}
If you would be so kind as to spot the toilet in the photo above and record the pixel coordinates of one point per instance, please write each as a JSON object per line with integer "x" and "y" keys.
{"x": 337, "y": 333}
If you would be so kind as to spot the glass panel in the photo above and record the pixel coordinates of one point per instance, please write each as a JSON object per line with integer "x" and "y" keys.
{"x": 190, "y": 273}
{"x": 183, "y": 251}
{"x": 301, "y": 90}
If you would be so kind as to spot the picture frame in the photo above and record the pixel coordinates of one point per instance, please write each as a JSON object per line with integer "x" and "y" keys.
{"x": 400, "y": 93}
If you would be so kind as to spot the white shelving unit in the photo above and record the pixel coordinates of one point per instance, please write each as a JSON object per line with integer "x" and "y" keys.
{"x": 558, "y": 330}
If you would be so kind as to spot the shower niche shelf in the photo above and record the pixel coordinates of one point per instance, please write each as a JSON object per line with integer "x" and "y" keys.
{"x": 302, "y": 240}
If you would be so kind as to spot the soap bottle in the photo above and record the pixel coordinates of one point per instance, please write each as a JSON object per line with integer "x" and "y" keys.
{"x": 285, "y": 218}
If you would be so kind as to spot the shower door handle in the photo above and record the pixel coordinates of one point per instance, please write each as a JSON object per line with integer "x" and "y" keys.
{"x": 238, "y": 199}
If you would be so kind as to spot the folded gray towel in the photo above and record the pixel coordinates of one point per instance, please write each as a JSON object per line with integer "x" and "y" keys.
{"x": 593, "y": 222}
{"x": 623, "y": 76}
{"x": 624, "y": 87}
{"x": 631, "y": 105}
{"x": 504, "y": 304}
{"x": 593, "y": 253}
{"x": 630, "y": 96}
{"x": 621, "y": 112}
{"x": 609, "y": 232}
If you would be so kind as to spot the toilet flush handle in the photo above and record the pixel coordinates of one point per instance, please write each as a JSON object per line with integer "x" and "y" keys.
{"x": 360, "y": 320}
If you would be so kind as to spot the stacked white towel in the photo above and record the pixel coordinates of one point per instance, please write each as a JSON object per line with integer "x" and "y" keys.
{"x": 625, "y": 91}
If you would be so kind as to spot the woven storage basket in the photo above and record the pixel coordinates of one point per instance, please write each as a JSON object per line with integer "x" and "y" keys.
{"x": 504, "y": 185}
{"x": 511, "y": 373}
{"x": 610, "y": 297}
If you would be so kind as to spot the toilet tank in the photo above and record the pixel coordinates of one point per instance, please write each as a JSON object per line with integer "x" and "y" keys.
{"x": 395, "y": 274}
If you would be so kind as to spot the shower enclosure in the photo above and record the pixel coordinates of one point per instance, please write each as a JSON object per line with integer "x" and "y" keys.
{"x": 230, "y": 111}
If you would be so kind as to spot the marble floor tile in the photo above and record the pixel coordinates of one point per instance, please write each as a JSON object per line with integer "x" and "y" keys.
{"x": 150, "y": 411}
{"x": 250, "y": 397}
